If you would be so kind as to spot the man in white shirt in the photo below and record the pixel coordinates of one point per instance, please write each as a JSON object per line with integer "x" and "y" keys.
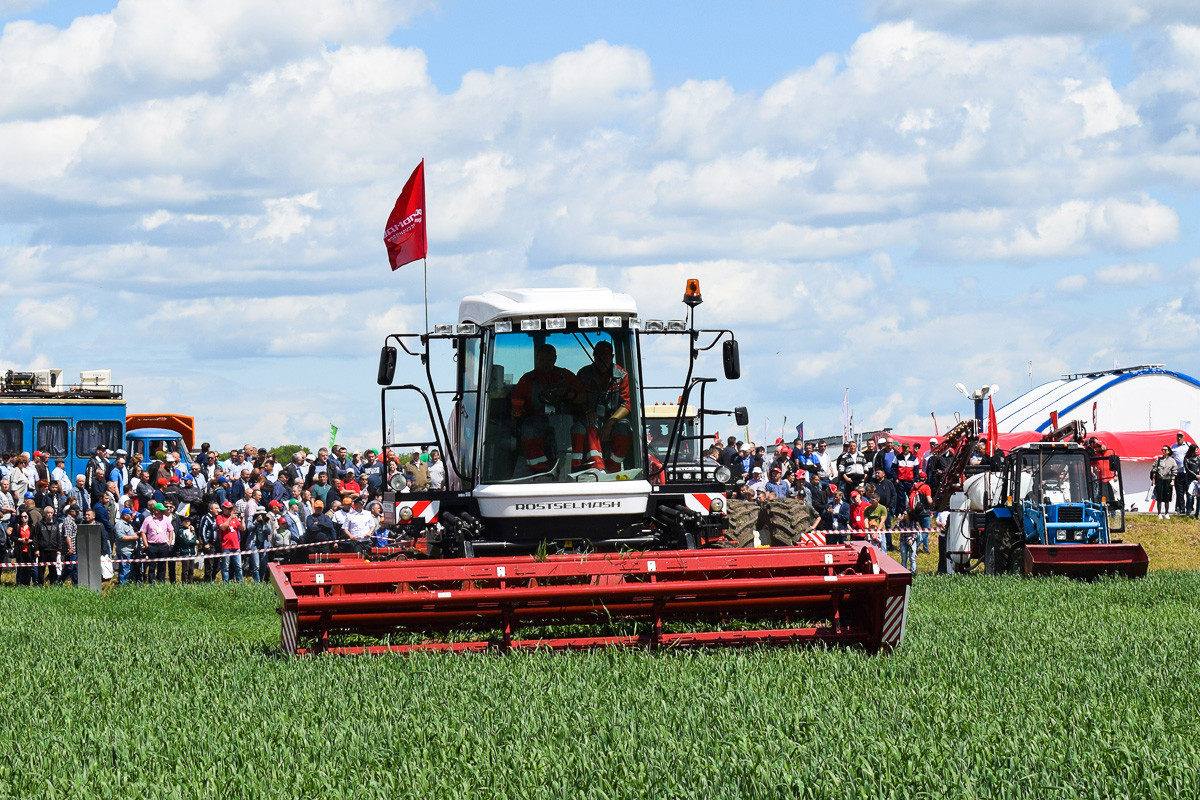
{"x": 437, "y": 471}
{"x": 359, "y": 524}
{"x": 60, "y": 475}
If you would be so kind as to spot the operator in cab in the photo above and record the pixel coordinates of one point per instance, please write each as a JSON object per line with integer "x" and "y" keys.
{"x": 544, "y": 391}
{"x": 606, "y": 413}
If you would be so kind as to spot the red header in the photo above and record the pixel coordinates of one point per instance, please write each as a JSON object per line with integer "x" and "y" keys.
{"x": 405, "y": 232}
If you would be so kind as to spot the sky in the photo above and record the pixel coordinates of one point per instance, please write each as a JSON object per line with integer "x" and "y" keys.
{"x": 888, "y": 197}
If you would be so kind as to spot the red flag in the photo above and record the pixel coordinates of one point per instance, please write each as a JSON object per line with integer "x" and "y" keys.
{"x": 405, "y": 232}
{"x": 993, "y": 432}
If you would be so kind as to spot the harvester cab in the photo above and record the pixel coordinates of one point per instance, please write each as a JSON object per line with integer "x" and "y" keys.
{"x": 545, "y": 433}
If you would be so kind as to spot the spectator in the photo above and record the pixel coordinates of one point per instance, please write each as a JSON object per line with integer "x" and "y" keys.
{"x": 437, "y": 471}
{"x": 858, "y": 515}
{"x": 158, "y": 537}
{"x": 95, "y": 474}
{"x": 59, "y": 475}
{"x": 1162, "y": 473}
{"x": 730, "y": 452}
{"x": 70, "y": 543}
{"x": 835, "y": 519}
{"x": 828, "y": 473}
{"x": 757, "y": 481}
{"x": 321, "y": 465}
{"x": 851, "y": 466}
{"x": 126, "y": 540}
{"x": 418, "y": 471}
{"x": 229, "y": 525}
{"x": 359, "y": 525}
{"x": 776, "y": 486}
{"x": 321, "y": 489}
{"x": 209, "y": 541}
{"x": 185, "y": 548}
{"x": 877, "y": 515}
{"x": 885, "y": 459}
{"x": 24, "y": 547}
{"x": 78, "y": 494}
{"x": 920, "y": 504}
{"x": 888, "y": 495}
{"x": 17, "y": 477}
{"x": 1179, "y": 452}
{"x": 48, "y": 538}
{"x": 1191, "y": 465}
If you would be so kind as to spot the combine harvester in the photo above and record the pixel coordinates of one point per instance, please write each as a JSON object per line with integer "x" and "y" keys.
{"x": 1050, "y": 510}
{"x": 560, "y": 511}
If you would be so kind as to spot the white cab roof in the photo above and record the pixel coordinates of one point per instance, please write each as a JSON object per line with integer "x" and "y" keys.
{"x": 514, "y": 303}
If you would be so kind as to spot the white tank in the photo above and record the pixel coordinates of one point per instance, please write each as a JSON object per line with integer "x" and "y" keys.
{"x": 983, "y": 490}
{"x": 958, "y": 527}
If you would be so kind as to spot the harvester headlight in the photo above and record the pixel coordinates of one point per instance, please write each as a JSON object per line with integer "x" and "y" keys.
{"x": 613, "y": 321}
{"x": 654, "y": 326}
{"x": 587, "y": 322}
{"x": 531, "y": 324}
{"x": 717, "y": 505}
{"x": 405, "y": 514}
{"x": 466, "y": 329}
{"x": 1079, "y": 536}
{"x": 503, "y": 326}
{"x": 722, "y": 474}
{"x": 676, "y": 325}
{"x": 556, "y": 323}
{"x": 443, "y": 330}
{"x": 1060, "y": 536}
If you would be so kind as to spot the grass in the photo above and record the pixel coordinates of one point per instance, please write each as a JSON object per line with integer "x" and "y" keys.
{"x": 1005, "y": 688}
{"x": 1170, "y": 544}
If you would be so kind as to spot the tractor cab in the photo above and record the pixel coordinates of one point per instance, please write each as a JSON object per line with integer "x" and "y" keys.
{"x": 1054, "y": 497}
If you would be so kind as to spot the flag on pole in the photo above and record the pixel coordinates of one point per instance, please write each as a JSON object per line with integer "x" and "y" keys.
{"x": 1095, "y": 425}
{"x": 404, "y": 235}
{"x": 332, "y": 435}
{"x": 800, "y": 432}
{"x": 935, "y": 427}
{"x": 993, "y": 431}
{"x": 391, "y": 430}
{"x": 846, "y": 416}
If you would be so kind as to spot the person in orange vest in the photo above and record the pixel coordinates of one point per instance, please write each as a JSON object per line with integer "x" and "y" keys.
{"x": 606, "y": 412}
{"x": 1102, "y": 465}
{"x": 543, "y": 391}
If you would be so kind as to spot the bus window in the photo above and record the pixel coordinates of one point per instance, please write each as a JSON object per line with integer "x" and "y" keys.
{"x": 12, "y": 435}
{"x": 90, "y": 434}
{"x": 51, "y": 437}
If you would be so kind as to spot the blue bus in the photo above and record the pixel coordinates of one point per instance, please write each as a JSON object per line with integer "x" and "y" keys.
{"x": 39, "y": 412}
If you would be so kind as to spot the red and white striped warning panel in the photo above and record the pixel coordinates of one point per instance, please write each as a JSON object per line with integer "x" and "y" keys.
{"x": 895, "y": 615}
{"x": 702, "y": 501}
{"x": 289, "y": 632}
{"x": 812, "y": 539}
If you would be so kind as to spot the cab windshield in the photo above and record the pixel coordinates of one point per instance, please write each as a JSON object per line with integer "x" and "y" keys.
{"x": 561, "y": 407}
{"x": 1054, "y": 478}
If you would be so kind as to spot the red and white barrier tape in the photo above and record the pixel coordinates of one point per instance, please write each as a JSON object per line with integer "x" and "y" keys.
{"x": 68, "y": 562}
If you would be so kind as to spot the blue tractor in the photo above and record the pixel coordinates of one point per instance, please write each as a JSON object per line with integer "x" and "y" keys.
{"x": 1059, "y": 504}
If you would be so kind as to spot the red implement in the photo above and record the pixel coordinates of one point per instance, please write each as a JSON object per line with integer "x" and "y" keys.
{"x": 1087, "y": 560}
{"x": 847, "y": 594}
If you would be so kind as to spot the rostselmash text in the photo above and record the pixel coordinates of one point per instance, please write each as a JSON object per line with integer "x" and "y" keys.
{"x": 405, "y": 225}
{"x": 566, "y": 505}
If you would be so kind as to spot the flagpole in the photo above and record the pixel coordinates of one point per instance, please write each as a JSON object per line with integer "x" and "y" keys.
{"x": 425, "y": 269}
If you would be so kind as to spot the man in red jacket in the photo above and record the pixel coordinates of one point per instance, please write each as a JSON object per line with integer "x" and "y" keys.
{"x": 606, "y": 413}
{"x": 544, "y": 391}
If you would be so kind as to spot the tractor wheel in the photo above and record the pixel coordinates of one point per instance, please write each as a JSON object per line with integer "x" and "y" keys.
{"x": 1017, "y": 560}
{"x": 996, "y": 553}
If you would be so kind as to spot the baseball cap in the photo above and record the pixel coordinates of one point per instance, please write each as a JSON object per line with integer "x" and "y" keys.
{"x": 37, "y": 453}
{"x": 779, "y": 440}
{"x": 121, "y": 452}
{"x": 159, "y": 507}
{"x": 881, "y": 440}
{"x": 756, "y": 470}
{"x": 293, "y": 503}
{"x": 29, "y": 494}
{"x": 318, "y": 504}
{"x": 275, "y": 504}
{"x": 855, "y": 494}
{"x": 126, "y": 510}
{"x": 227, "y": 504}
{"x": 933, "y": 440}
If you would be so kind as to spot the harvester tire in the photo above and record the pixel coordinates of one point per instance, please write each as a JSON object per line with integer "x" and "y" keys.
{"x": 744, "y": 520}
{"x": 787, "y": 518}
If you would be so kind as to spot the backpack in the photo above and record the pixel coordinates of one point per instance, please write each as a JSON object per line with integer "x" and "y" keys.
{"x": 918, "y": 501}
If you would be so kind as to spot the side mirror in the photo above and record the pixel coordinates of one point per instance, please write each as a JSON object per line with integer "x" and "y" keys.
{"x": 733, "y": 364}
{"x": 741, "y": 416}
{"x": 387, "y": 365}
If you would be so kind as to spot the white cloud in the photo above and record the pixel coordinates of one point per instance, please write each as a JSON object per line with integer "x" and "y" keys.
{"x": 237, "y": 199}
{"x": 1006, "y": 17}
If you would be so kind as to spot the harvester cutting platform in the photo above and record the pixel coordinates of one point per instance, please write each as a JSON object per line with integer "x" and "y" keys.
{"x": 567, "y": 504}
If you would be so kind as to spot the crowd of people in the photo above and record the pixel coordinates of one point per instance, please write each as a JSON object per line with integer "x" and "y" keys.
{"x": 868, "y": 494}
{"x": 231, "y": 517}
{"x": 171, "y": 520}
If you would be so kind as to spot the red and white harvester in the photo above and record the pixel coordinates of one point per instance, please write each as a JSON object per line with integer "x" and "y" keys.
{"x": 557, "y": 514}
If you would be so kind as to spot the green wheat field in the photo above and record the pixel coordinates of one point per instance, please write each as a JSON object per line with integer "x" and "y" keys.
{"x": 1005, "y": 687}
